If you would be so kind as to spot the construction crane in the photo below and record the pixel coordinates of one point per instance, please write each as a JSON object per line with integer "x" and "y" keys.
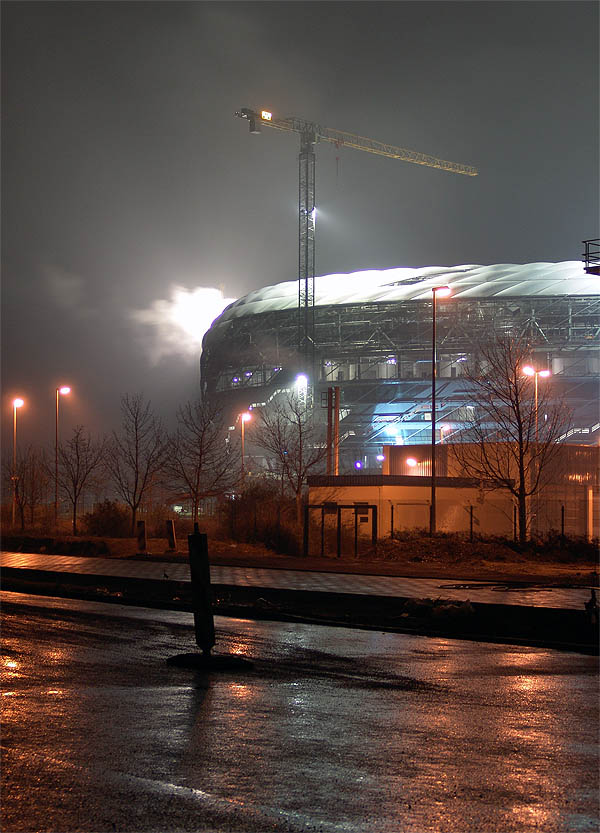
{"x": 310, "y": 133}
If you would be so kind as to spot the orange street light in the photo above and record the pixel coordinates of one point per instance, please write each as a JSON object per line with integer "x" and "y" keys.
{"x": 61, "y": 391}
{"x": 442, "y": 291}
{"x": 437, "y": 292}
{"x": 244, "y": 418}
{"x": 17, "y": 403}
{"x": 531, "y": 371}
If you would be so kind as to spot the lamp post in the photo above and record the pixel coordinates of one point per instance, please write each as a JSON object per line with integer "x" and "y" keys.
{"x": 62, "y": 391}
{"x": 17, "y": 403}
{"x": 443, "y": 292}
{"x": 530, "y": 371}
{"x": 244, "y": 418}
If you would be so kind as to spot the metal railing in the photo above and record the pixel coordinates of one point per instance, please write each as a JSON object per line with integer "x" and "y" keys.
{"x": 591, "y": 256}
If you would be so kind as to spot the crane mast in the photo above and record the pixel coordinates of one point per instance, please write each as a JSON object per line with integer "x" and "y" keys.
{"x": 310, "y": 133}
{"x": 306, "y": 250}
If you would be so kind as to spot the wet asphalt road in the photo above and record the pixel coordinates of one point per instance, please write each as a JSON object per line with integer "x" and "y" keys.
{"x": 331, "y": 730}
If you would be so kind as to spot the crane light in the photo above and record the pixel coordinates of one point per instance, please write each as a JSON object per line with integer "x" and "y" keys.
{"x": 266, "y": 116}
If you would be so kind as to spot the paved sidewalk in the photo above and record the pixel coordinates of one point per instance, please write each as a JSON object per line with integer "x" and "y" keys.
{"x": 483, "y": 592}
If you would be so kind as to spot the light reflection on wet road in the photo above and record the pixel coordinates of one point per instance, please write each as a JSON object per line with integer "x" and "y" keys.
{"x": 333, "y": 729}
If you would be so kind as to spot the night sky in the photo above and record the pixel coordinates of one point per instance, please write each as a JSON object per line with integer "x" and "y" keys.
{"x": 127, "y": 176}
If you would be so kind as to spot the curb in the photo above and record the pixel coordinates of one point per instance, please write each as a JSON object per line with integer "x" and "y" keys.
{"x": 541, "y": 627}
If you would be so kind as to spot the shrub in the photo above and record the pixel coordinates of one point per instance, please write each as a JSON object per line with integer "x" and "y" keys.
{"x": 261, "y": 516}
{"x": 108, "y": 519}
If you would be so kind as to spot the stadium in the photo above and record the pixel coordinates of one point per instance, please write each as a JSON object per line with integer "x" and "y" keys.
{"x": 373, "y": 339}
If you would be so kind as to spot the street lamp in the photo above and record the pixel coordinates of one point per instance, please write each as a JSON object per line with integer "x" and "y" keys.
{"x": 17, "y": 403}
{"x": 62, "y": 391}
{"x": 244, "y": 418}
{"x": 442, "y": 292}
{"x": 530, "y": 371}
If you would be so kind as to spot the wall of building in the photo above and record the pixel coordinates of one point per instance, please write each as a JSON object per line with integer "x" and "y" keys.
{"x": 569, "y": 504}
{"x": 568, "y": 500}
{"x": 406, "y": 507}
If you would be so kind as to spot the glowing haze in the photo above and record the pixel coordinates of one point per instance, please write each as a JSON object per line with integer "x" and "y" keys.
{"x": 176, "y": 326}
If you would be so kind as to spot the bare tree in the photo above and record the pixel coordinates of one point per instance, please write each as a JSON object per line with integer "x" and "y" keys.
{"x": 135, "y": 456}
{"x": 198, "y": 462}
{"x": 30, "y": 483}
{"x": 287, "y": 432}
{"x": 13, "y": 478}
{"x": 36, "y": 480}
{"x": 79, "y": 460}
{"x": 512, "y": 437}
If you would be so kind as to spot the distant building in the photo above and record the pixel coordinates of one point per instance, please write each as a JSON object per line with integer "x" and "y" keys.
{"x": 373, "y": 340}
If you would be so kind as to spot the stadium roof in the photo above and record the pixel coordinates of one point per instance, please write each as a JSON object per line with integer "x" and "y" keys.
{"x": 406, "y": 284}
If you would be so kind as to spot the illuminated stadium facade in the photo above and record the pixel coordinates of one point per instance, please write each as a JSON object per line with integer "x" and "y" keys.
{"x": 373, "y": 333}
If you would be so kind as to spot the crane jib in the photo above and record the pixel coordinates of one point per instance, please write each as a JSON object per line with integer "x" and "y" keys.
{"x": 342, "y": 138}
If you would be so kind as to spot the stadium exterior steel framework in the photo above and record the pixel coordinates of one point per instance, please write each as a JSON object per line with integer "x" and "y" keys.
{"x": 373, "y": 340}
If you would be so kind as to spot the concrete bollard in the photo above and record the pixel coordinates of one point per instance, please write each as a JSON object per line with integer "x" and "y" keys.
{"x": 142, "y": 542}
{"x": 171, "y": 538}
{"x": 201, "y": 591}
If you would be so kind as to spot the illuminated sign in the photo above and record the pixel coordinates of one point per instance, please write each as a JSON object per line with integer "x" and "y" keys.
{"x": 266, "y": 116}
